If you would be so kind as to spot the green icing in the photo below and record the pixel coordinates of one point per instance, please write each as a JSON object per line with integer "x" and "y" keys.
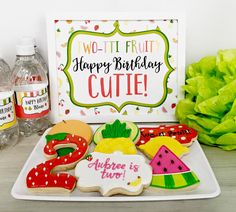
{"x": 59, "y": 137}
{"x": 64, "y": 151}
{"x": 169, "y": 181}
{"x": 175, "y": 181}
{"x": 189, "y": 178}
{"x": 116, "y": 130}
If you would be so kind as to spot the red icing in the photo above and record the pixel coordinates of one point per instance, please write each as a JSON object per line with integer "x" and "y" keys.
{"x": 182, "y": 133}
{"x": 42, "y": 177}
{"x": 166, "y": 162}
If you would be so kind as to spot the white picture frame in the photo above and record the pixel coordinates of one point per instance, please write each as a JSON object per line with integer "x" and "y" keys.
{"x": 166, "y": 116}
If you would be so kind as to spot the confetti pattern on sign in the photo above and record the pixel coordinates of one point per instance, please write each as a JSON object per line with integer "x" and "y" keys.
{"x": 63, "y": 28}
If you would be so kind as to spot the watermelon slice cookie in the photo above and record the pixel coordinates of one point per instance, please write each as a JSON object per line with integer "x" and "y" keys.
{"x": 62, "y": 130}
{"x": 182, "y": 133}
{"x": 170, "y": 172}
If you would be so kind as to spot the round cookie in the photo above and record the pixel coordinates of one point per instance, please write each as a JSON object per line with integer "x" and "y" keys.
{"x": 75, "y": 127}
{"x": 117, "y": 129}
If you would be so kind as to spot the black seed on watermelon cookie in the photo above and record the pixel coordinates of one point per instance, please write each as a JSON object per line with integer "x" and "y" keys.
{"x": 165, "y": 158}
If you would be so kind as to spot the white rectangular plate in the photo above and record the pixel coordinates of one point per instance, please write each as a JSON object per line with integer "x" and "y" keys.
{"x": 196, "y": 160}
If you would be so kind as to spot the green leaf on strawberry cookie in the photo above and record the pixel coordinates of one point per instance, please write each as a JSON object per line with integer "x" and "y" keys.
{"x": 59, "y": 137}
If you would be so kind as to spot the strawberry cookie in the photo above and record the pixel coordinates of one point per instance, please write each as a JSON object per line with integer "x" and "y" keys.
{"x": 45, "y": 176}
{"x": 66, "y": 128}
{"x": 182, "y": 133}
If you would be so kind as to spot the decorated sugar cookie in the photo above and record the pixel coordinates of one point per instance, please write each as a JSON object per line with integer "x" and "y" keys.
{"x": 169, "y": 172}
{"x": 111, "y": 145}
{"x": 112, "y": 174}
{"x": 152, "y": 146}
{"x": 182, "y": 133}
{"x": 43, "y": 177}
{"x": 66, "y": 128}
{"x": 117, "y": 129}
{"x": 116, "y": 137}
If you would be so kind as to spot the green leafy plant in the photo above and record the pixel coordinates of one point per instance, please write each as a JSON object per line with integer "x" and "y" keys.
{"x": 210, "y": 101}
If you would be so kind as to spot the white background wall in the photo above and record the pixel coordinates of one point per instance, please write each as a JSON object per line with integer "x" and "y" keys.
{"x": 211, "y": 24}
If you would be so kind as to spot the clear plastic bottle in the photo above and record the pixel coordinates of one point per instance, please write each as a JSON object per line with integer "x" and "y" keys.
{"x": 31, "y": 91}
{"x": 28, "y": 40}
{"x": 9, "y": 129}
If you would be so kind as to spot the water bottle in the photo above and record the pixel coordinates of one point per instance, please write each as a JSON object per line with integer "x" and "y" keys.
{"x": 27, "y": 40}
{"x": 31, "y": 91}
{"x": 9, "y": 129}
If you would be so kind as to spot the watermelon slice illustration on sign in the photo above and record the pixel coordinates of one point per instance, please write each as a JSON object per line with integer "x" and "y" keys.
{"x": 170, "y": 172}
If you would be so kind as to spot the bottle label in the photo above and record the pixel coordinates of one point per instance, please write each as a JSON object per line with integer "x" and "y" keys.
{"x": 7, "y": 110}
{"x": 32, "y": 104}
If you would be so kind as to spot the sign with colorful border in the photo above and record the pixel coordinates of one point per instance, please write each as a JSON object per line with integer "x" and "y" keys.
{"x": 123, "y": 66}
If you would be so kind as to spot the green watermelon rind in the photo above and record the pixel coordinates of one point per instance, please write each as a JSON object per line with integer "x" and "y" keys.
{"x": 135, "y": 132}
{"x": 173, "y": 183}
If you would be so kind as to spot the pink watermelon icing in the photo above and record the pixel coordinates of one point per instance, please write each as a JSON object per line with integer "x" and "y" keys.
{"x": 166, "y": 162}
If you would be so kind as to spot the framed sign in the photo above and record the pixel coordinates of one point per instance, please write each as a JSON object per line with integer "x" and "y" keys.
{"x": 107, "y": 66}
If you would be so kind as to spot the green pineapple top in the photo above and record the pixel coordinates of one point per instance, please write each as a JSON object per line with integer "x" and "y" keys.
{"x": 116, "y": 130}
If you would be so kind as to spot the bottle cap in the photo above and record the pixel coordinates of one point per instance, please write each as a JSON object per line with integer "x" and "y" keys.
{"x": 28, "y": 40}
{"x": 25, "y": 50}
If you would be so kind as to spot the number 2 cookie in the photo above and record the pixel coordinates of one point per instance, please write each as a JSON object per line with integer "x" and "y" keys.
{"x": 44, "y": 178}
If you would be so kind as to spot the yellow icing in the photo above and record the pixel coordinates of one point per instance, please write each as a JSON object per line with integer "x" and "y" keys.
{"x": 136, "y": 182}
{"x": 110, "y": 145}
{"x": 179, "y": 179}
{"x": 160, "y": 180}
{"x": 152, "y": 146}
